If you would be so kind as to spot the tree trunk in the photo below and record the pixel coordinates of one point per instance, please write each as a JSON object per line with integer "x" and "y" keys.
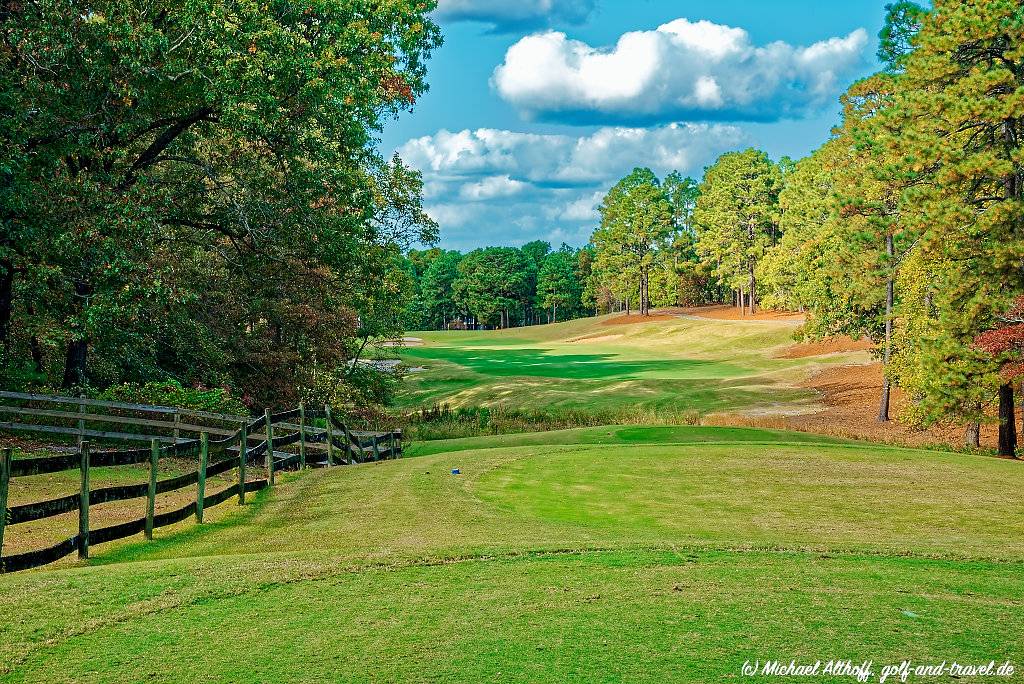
{"x": 74, "y": 364}
{"x": 753, "y": 291}
{"x": 6, "y": 302}
{"x": 644, "y": 305}
{"x": 972, "y": 436}
{"x": 883, "y": 408}
{"x": 78, "y": 350}
{"x": 883, "y": 405}
{"x": 34, "y": 346}
{"x": 1007, "y": 422}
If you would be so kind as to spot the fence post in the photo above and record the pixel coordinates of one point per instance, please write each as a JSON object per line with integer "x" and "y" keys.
{"x": 302, "y": 436}
{"x": 330, "y": 436}
{"x": 243, "y": 453}
{"x": 83, "y": 503}
{"x": 270, "y": 448}
{"x": 81, "y": 421}
{"x": 376, "y": 449}
{"x": 398, "y": 434}
{"x": 177, "y": 422}
{"x": 204, "y": 458}
{"x": 5, "y": 481}
{"x": 154, "y": 459}
{"x": 391, "y": 451}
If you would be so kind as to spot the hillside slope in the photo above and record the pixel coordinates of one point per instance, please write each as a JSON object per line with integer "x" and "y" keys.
{"x": 672, "y": 365}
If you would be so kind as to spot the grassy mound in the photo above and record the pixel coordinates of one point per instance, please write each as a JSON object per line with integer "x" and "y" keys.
{"x": 662, "y": 367}
{"x": 636, "y": 554}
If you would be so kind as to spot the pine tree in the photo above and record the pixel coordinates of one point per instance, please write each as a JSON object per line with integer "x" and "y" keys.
{"x": 736, "y": 216}
{"x": 636, "y": 221}
{"x": 961, "y": 126}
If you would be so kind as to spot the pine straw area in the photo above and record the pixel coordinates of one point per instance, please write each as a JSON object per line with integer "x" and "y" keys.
{"x": 832, "y": 345}
{"x": 724, "y": 312}
{"x": 850, "y": 396}
{"x": 632, "y": 319}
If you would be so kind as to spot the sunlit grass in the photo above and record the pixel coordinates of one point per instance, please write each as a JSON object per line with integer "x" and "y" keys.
{"x": 603, "y": 554}
{"x": 664, "y": 366}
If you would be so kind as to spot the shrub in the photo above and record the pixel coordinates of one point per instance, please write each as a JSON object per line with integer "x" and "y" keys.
{"x": 172, "y": 393}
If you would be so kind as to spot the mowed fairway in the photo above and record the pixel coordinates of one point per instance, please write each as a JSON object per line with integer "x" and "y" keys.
{"x": 610, "y": 554}
{"x": 663, "y": 366}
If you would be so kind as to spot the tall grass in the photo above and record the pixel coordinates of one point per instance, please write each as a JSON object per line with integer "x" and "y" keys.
{"x": 444, "y": 422}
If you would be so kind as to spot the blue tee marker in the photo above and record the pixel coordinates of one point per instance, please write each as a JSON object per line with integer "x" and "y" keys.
{"x": 456, "y": 471}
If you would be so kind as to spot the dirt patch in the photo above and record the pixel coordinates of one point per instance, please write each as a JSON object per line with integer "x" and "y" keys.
{"x": 632, "y": 319}
{"x": 721, "y": 312}
{"x": 832, "y": 345}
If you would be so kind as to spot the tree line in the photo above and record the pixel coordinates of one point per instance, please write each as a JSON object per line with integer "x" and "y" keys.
{"x": 192, "y": 191}
{"x": 906, "y": 226}
{"x": 497, "y": 287}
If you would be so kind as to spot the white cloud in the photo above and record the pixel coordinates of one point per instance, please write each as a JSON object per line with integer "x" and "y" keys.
{"x": 583, "y": 208}
{"x": 506, "y": 15}
{"x": 452, "y": 214}
{"x": 567, "y": 160}
{"x": 491, "y": 186}
{"x": 681, "y": 70}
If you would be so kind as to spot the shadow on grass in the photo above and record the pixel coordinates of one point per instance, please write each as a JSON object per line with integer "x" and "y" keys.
{"x": 185, "y": 532}
{"x": 542, "y": 363}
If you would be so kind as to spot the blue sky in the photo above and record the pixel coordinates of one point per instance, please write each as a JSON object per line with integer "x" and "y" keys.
{"x": 536, "y": 107}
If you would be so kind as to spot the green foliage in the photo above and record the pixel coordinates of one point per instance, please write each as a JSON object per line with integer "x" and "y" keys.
{"x": 494, "y": 284}
{"x": 895, "y": 41}
{"x": 498, "y": 287}
{"x": 193, "y": 190}
{"x": 537, "y": 251}
{"x": 171, "y": 393}
{"x": 558, "y": 287}
{"x": 958, "y": 122}
{"x": 637, "y": 220}
{"x": 361, "y": 390}
{"x": 737, "y": 216}
{"x": 437, "y": 294}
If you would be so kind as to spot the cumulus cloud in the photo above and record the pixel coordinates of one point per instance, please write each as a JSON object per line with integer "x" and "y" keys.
{"x": 563, "y": 160}
{"x": 508, "y": 15}
{"x": 581, "y": 209}
{"x": 492, "y": 186}
{"x": 681, "y": 70}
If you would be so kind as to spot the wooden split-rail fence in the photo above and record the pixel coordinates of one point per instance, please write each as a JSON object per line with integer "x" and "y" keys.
{"x": 226, "y": 450}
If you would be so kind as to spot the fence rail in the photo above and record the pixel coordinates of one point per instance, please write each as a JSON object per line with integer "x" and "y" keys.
{"x": 174, "y": 421}
{"x": 334, "y": 443}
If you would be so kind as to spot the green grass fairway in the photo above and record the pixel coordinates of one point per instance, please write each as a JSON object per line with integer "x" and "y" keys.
{"x": 661, "y": 366}
{"x": 592, "y": 555}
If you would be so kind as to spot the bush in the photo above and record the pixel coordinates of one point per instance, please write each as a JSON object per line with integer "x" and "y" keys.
{"x": 360, "y": 388}
{"x": 171, "y": 393}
